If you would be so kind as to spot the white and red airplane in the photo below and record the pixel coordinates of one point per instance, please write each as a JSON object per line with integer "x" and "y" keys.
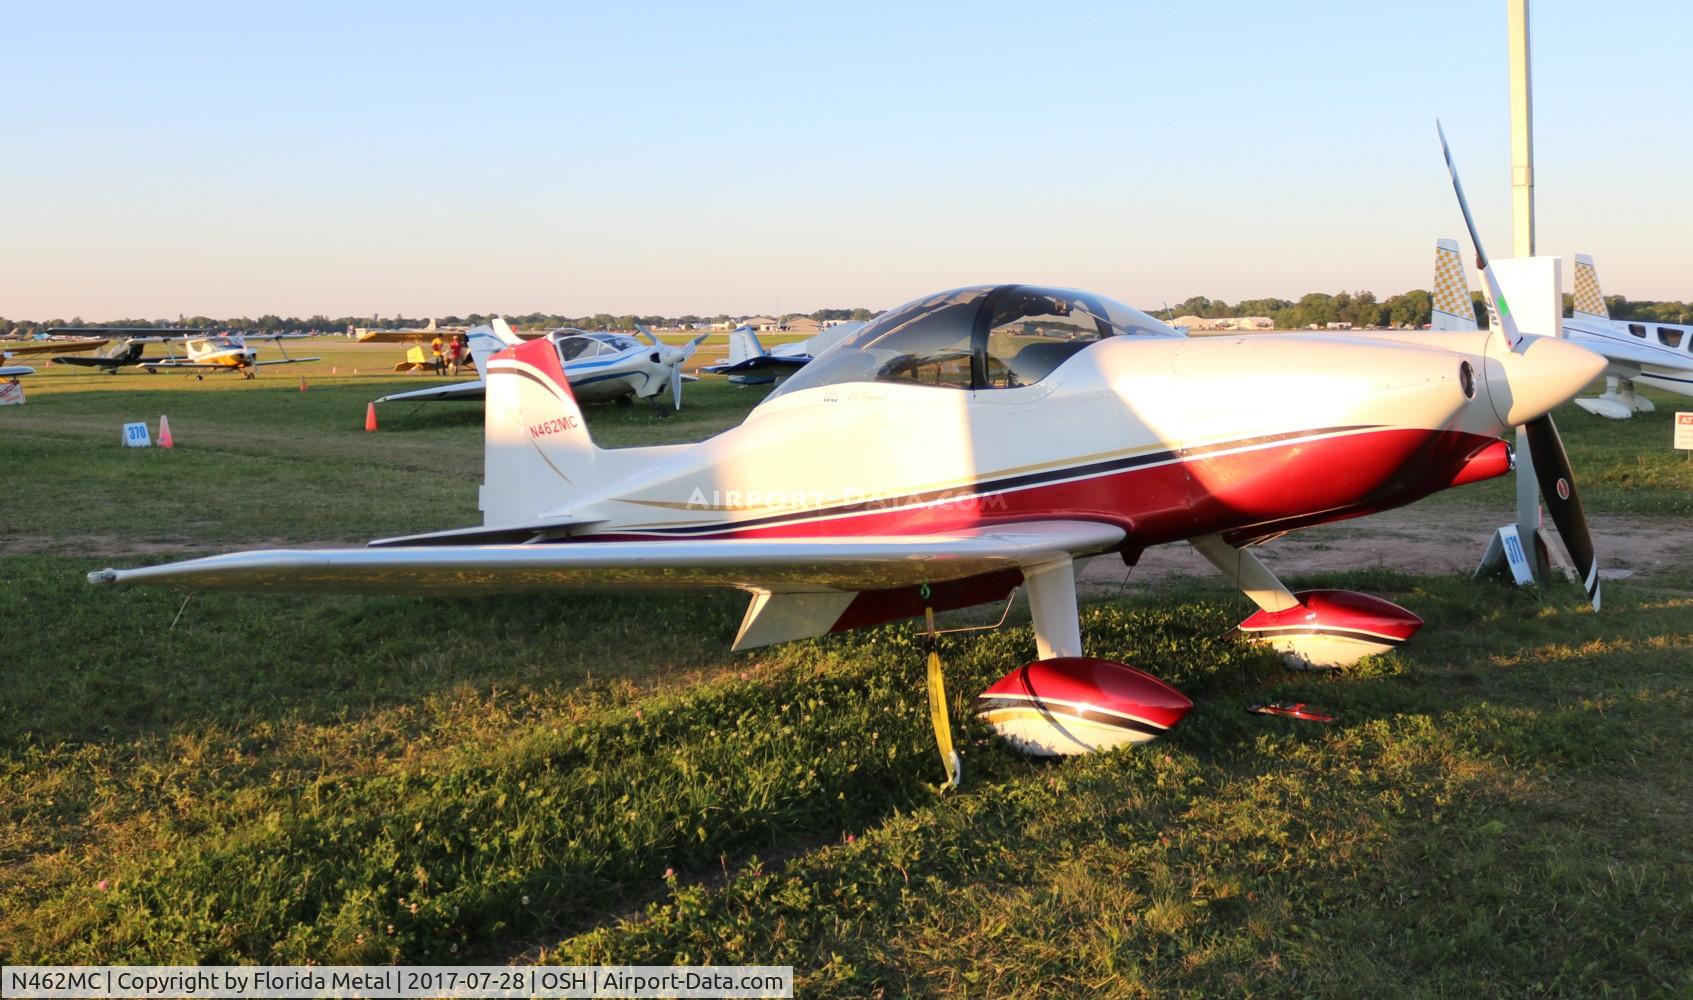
{"x": 981, "y": 439}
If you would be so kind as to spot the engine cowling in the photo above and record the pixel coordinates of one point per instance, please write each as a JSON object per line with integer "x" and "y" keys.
{"x": 1079, "y": 704}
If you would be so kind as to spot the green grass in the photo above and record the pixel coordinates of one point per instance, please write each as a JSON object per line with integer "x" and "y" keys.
{"x": 263, "y": 461}
{"x": 1502, "y": 807}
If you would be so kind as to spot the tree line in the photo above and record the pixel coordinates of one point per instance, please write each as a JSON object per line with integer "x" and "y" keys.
{"x": 1410, "y": 309}
{"x": 1361, "y": 309}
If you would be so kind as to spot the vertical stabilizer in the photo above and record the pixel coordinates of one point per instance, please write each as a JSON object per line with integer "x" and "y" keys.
{"x": 487, "y": 341}
{"x": 744, "y": 345}
{"x": 537, "y": 454}
{"x": 1453, "y": 307}
{"x": 1589, "y": 300}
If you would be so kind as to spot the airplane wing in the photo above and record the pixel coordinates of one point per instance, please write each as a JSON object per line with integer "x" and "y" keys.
{"x": 61, "y": 346}
{"x": 764, "y": 364}
{"x": 14, "y": 371}
{"x": 1633, "y": 354}
{"x": 758, "y": 565}
{"x": 284, "y": 361}
{"x": 71, "y": 359}
{"x": 471, "y": 390}
{"x": 176, "y": 363}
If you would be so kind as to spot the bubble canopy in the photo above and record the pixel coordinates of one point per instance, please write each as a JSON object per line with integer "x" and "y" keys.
{"x": 981, "y": 337}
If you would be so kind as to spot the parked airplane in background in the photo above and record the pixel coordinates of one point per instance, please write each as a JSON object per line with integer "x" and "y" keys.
{"x": 599, "y": 366}
{"x": 225, "y": 352}
{"x": 750, "y": 364}
{"x": 124, "y": 355}
{"x": 1656, "y": 354}
{"x": 954, "y": 449}
{"x": 1659, "y": 355}
{"x": 207, "y": 351}
{"x": 375, "y": 335}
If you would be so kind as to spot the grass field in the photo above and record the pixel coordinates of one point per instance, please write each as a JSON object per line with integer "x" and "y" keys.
{"x": 1503, "y": 807}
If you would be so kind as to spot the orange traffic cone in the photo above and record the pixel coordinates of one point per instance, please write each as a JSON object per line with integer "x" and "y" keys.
{"x": 370, "y": 416}
{"x": 165, "y": 440}
{"x": 302, "y": 383}
{"x": 333, "y": 369}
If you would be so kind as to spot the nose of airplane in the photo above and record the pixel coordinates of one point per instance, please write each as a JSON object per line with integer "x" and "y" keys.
{"x": 1545, "y": 373}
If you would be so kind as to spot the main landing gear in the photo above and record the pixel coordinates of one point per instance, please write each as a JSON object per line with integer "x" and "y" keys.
{"x": 1313, "y": 629}
{"x": 1063, "y": 703}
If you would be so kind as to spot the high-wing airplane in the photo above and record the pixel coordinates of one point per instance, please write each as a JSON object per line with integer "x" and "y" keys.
{"x": 750, "y": 364}
{"x": 974, "y": 441}
{"x": 207, "y": 351}
{"x": 599, "y": 366}
{"x": 127, "y": 354}
{"x": 1659, "y": 355}
{"x": 224, "y": 352}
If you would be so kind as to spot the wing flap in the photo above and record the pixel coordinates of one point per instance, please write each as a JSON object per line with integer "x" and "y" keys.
{"x": 785, "y": 564}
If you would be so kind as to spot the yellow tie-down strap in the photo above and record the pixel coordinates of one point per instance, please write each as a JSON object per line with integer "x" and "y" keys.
{"x": 937, "y": 708}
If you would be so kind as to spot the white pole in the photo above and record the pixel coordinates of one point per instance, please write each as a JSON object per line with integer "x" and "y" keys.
{"x": 1522, "y": 245}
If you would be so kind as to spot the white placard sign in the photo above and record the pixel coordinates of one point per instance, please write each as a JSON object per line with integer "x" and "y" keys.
{"x": 11, "y": 393}
{"x": 136, "y": 436}
{"x": 1506, "y": 551}
{"x": 1684, "y": 431}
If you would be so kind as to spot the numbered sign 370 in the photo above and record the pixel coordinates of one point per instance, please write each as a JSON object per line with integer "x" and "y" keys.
{"x": 136, "y": 436}
{"x": 1684, "y": 431}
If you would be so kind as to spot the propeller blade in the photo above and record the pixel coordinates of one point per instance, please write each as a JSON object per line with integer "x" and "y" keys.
{"x": 1507, "y": 322}
{"x": 691, "y": 346}
{"x": 647, "y": 334}
{"x": 1557, "y": 488}
{"x": 676, "y": 386}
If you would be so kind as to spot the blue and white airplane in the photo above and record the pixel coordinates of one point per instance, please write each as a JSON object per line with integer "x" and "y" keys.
{"x": 601, "y": 367}
{"x": 750, "y": 364}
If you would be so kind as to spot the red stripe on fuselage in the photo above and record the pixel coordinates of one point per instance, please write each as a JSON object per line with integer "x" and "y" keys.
{"x": 1261, "y": 490}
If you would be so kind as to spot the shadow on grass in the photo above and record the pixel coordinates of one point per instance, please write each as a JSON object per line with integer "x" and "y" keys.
{"x": 497, "y": 821}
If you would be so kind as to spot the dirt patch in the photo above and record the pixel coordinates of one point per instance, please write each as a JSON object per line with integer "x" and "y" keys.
{"x": 1413, "y": 540}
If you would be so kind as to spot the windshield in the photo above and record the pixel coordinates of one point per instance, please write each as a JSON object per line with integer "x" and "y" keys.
{"x": 982, "y": 337}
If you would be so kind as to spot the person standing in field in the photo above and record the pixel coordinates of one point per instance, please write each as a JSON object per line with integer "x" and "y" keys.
{"x": 440, "y": 359}
{"x": 456, "y": 349}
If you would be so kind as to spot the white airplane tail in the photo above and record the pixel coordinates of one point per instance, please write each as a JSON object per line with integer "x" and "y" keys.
{"x": 487, "y": 341}
{"x": 744, "y": 345}
{"x": 1589, "y": 300}
{"x": 537, "y": 454}
{"x": 1453, "y": 307}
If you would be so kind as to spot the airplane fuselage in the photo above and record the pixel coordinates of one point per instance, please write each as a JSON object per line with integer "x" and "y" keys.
{"x": 1672, "y": 344}
{"x": 1297, "y": 431}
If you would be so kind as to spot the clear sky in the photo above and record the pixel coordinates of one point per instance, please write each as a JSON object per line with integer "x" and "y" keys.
{"x": 245, "y": 158}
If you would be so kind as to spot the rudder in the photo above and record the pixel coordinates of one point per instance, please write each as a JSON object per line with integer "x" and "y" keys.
{"x": 1453, "y": 309}
{"x": 744, "y": 345}
{"x": 1589, "y": 300}
{"x": 537, "y": 453}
